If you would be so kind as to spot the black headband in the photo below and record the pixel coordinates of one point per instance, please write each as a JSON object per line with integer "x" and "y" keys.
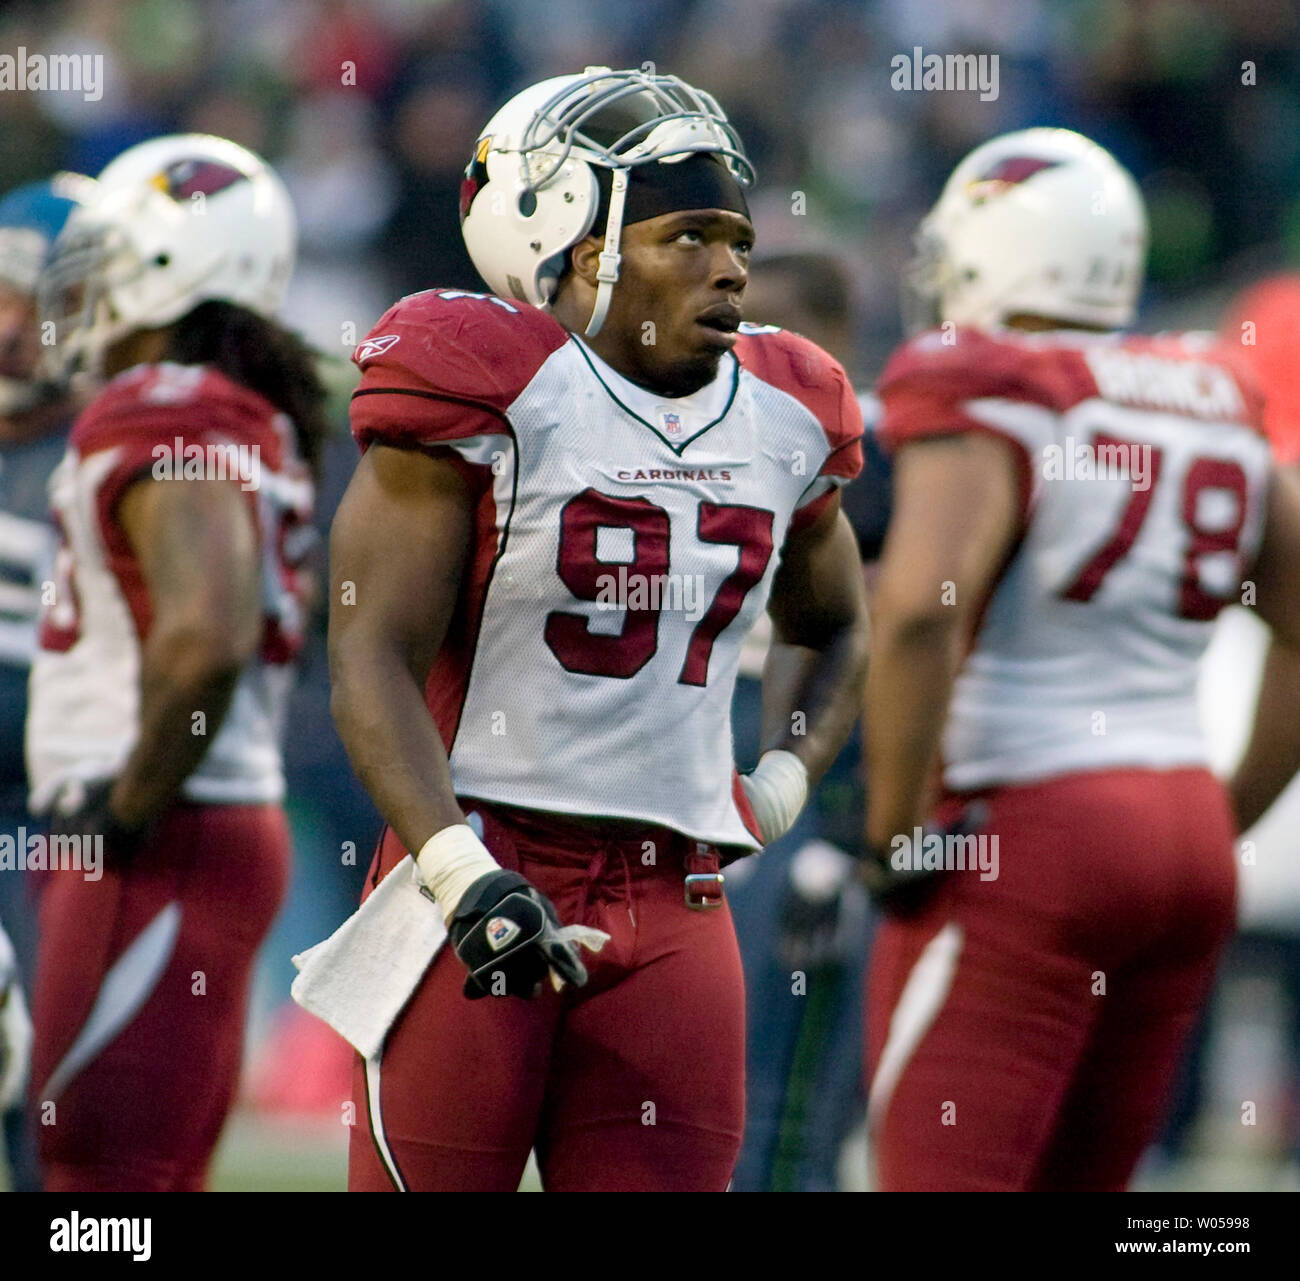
{"x": 701, "y": 181}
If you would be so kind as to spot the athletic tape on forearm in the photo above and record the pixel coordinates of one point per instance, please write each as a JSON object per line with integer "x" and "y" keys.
{"x": 777, "y": 791}
{"x": 450, "y": 862}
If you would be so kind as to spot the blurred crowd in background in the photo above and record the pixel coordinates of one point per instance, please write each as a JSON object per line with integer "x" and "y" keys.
{"x": 370, "y": 108}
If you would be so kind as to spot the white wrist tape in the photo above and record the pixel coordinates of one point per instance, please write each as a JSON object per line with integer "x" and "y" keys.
{"x": 777, "y": 791}
{"x": 450, "y": 862}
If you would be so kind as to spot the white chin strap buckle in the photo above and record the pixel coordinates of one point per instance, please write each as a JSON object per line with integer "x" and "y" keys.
{"x": 608, "y": 273}
{"x": 610, "y": 258}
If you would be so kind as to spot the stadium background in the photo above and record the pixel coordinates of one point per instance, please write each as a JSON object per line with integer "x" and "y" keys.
{"x": 847, "y": 165}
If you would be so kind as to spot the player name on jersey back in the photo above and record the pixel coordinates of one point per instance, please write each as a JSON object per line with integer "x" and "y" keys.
{"x": 625, "y": 543}
{"x": 1190, "y": 386}
{"x": 1143, "y": 476}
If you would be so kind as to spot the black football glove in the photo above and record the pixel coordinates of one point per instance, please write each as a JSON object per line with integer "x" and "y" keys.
{"x": 83, "y": 810}
{"x": 506, "y": 934}
{"x": 817, "y": 910}
{"x": 903, "y": 892}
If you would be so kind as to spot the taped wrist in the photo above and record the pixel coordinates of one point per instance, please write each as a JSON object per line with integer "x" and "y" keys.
{"x": 777, "y": 791}
{"x": 450, "y": 861}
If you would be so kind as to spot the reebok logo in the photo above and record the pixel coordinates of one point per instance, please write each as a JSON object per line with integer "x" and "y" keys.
{"x": 377, "y": 346}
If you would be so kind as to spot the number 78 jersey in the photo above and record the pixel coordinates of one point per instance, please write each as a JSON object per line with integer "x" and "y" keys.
{"x": 624, "y": 544}
{"x": 1143, "y": 476}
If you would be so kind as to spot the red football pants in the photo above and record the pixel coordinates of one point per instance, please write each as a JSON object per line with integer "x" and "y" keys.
{"x": 634, "y": 1082}
{"x": 1024, "y": 1031}
{"x": 141, "y": 991}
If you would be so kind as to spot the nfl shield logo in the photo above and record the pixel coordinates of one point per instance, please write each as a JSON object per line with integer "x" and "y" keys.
{"x": 673, "y": 424}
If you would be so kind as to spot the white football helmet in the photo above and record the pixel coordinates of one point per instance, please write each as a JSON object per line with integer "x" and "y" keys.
{"x": 1043, "y": 222}
{"x": 530, "y": 191}
{"x": 174, "y": 222}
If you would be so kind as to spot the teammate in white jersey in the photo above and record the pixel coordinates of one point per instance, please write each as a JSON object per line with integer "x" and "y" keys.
{"x": 158, "y": 691}
{"x": 1072, "y": 508}
{"x": 575, "y": 498}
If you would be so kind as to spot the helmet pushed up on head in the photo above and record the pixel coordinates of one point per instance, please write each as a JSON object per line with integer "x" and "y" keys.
{"x": 530, "y": 192}
{"x": 1042, "y": 222}
{"x": 175, "y": 221}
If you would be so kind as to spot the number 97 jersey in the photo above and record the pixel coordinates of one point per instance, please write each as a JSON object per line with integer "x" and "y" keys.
{"x": 1143, "y": 476}
{"x": 624, "y": 545}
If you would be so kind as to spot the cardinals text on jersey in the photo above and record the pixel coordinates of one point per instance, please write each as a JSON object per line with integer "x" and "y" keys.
{"x": 1143, "y": 478}
{"x": 85, "y": 697}
{"x": 625, "y": 544}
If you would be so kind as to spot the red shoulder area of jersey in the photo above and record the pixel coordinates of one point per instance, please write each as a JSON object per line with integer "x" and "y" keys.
{"x": 1205, "y": 347}
{"x": 156, "y": 405}
{"x": 445, "y": 365}
{"x": 929, "y": 379}
{"x": 800, "y": 368}
{"x": 452, "y": 345}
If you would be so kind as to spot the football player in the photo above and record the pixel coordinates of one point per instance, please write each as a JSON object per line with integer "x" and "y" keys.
{"x": 159, "y": 688}
{"x": 1072, "y": 508}
{"x": 35, "y": 414}
{"x": 575, "y": 497}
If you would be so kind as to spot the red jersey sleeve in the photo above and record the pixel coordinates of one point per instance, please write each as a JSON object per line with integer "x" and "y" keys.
{"x": 964, "y": 380}
{"x": 818, "y": 381}
{"x": 177, "y": 421}
{"x": 441, "y": 369}
{"x": 930, "y": 380}
{"x": 173, "y": 422}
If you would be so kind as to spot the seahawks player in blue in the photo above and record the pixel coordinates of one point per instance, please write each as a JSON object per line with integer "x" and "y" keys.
{"x": 35, "y": 415}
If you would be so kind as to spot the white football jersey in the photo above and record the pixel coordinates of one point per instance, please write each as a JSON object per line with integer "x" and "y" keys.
{"x": 625, "y": 544}
{"x": 1144, "y": 474}
{"x": 84, "y": 694}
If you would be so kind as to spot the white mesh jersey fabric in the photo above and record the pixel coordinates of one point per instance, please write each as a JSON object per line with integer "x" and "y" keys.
{"x": 621, "y": 706}
{"x": 1057, "y": 683}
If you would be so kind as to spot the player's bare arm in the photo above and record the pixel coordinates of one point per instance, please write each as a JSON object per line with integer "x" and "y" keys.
{"x": 198, "y": 553}
{"x": 1272, "y": 754}
{"x": 389, "y": 611}
{"x": 956, "y": 513}
{"x": 388, "y": 617}
{"x": 817, "y": 664}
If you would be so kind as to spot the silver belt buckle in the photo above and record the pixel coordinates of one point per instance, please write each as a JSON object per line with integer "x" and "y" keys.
{"x": 704, "y": 890}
